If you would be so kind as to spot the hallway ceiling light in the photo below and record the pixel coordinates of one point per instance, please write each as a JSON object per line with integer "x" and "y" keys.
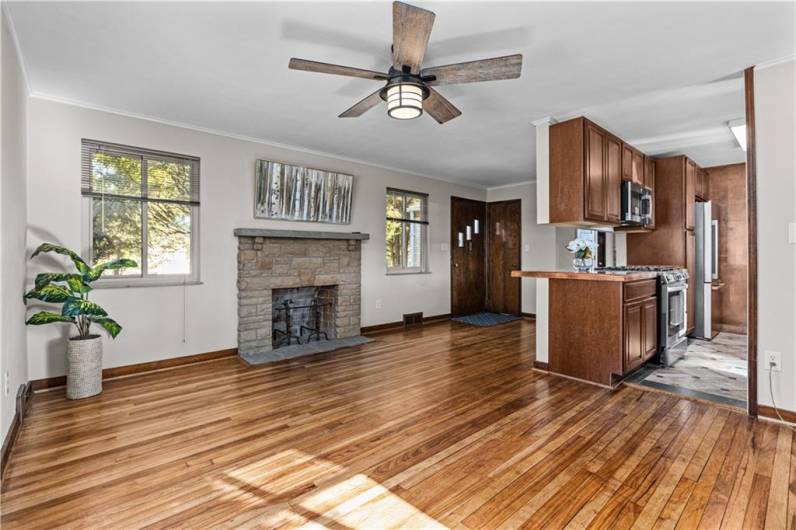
{"x": 738, "y": 128}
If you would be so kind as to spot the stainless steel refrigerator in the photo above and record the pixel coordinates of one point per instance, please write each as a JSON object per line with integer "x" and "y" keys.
{"x": 707, "y": 267}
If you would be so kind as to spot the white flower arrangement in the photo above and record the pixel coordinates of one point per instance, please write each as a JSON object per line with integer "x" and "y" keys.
{"x": 580, "y": 248}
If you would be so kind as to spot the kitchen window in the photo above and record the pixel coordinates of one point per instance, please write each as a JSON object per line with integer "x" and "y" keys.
{"x": 406, "y": 232}
{"x": 142, "y": 205}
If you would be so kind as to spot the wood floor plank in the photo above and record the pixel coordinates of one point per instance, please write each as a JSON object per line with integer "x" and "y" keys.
{"x": 445, "y": 426}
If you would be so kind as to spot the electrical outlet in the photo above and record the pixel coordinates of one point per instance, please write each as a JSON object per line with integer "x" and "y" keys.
{"x": 378, "y": 304}
{"x": 443, "y": 247}
{"x": 773, "y": 361}
{"x": 6, "y": 388}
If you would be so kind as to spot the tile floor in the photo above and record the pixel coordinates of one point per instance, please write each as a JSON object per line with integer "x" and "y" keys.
{"x": 716, "y": 368}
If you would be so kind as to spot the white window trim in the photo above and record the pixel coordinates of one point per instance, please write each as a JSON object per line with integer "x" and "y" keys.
{"x": 149, "y": 280}
{"x": 423, "y": 269}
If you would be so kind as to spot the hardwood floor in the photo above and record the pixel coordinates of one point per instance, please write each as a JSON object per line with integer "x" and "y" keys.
{"x": 446, "y": 426}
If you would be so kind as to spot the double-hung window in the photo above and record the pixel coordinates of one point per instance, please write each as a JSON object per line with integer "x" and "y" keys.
{"x": 406, "y": 231}
{"x": 142, "y": 205}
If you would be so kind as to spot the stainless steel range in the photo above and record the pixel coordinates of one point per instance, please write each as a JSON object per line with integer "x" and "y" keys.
{"x": 672, "y": 309}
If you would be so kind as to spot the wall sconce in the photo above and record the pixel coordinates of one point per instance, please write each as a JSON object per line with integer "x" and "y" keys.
{"x": 469, "y": 233}
{"x": 461, "y": 240}
{"x": 475, "y": 227}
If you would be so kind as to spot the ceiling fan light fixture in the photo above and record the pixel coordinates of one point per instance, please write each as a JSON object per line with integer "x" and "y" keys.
{"x": 405, "y": 101}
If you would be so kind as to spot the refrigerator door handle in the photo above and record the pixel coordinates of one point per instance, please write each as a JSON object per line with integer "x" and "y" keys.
{"x": 715, "y": 241}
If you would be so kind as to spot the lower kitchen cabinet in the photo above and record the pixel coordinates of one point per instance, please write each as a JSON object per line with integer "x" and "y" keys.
{"x": 634, "y": 337}
{"x": 600, "y": 330}
{"x": 640, "y": 324}
{"x": 649, "y": 320}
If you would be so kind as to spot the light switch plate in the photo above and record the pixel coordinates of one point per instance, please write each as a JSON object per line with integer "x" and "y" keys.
{"x": 527, "y": 248}
{"x": 443, "y": 247}
{"x": 792, "y": 233}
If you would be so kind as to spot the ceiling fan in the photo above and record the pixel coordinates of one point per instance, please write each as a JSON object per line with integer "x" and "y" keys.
{"x": 409, "y": 88}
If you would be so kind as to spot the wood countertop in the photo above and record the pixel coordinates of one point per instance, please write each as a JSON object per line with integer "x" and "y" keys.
{"x": 587, "y": 276}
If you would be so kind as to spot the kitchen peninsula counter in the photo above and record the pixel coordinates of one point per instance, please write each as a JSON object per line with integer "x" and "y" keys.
{"x": 611, "y": 276}
{"x": 596, "y": 327}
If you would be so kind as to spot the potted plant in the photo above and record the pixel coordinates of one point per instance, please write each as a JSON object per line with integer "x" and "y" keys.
{"x": 84, "y": 350}
{"x": 583, "y": 256}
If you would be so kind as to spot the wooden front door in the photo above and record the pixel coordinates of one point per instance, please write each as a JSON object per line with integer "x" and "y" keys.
{"x": 468, "y": 272}
{"x": 504, "y": 238}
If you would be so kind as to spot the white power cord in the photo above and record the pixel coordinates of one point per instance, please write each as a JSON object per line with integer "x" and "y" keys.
{"x": 771, "y": 394}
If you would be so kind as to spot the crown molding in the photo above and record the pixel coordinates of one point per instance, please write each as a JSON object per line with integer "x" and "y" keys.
{"x": 547, "y": 120}
{"x": 512, "y": 185}
{"x": 774, "y": 62}
{"x": 244, "y": 138}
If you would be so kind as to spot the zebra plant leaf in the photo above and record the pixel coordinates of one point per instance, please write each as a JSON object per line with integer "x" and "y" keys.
{"x": 77, "y": 307}
{"x": 47, "y": 317}
{"x": 123, "y": 263}
{"x": 80, "y": 265}
{"x": 111, "y": 326}
{"x": 45, "y": 278}
{"x": 51, "y": 293}
{"x": 76, "y": 283}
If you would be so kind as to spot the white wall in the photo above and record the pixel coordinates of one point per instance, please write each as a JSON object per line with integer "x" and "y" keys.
{"x": 538, "y": 240}
{"x": 13, "y": 360}
{"x": 775, "y": 121}
{"x": 152, "y": 317}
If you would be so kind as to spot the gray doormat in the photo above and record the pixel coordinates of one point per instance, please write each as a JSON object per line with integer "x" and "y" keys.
{"x": 486, "y": 319}
{"x": 298, "y": 350}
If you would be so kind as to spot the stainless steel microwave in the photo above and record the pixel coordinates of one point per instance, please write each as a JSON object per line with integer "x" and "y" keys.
{"x": 636, "y": 204}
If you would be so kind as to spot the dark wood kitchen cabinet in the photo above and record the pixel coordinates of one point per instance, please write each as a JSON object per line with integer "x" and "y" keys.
{"x": 690, "y": 193}
{"x": 595, "y": 176}
{"x": 673, "y": 199}
{"x": 613, "y": 178}
{"x": 649, "y": 182}
{"x": 634, "y": 337}
{"x": 585, "y": 174}
{"x": 632, "y": 164}
{"x": 640, "y": 323}
{"x": 702, "y": 185}
{"x": 601, "y": 327}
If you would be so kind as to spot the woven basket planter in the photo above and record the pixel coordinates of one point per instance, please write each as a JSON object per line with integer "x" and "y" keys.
{"x": 84, "y": 367}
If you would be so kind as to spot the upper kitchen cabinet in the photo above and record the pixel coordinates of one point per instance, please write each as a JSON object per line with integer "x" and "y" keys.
{"x": 585, "y": 174}
{"x": 690, "y": 192}
{"x": 649, "y": 182}
{"x": 701, "y": 190}
{"x": 632, "y": 164}
{"x": 673, "y": 241}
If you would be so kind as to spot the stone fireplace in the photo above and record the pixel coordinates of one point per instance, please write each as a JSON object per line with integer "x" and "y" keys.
{"x": 278, "y": 264}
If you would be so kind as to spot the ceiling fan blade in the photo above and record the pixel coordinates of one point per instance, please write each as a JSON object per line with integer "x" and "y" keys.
{"x": 439, "y": 108}
{"x": 362, "y": 106}
{"x": 508, "y": 67}
{"x": 336, "y": 69}
{"x": 411, "y": 28}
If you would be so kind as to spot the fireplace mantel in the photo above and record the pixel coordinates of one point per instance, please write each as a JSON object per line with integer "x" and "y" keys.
{"x": 299, "y": 234}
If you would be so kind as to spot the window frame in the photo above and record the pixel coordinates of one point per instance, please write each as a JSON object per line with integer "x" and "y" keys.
{"x": 145, "y": 279}
{"x": 405, "y": 221}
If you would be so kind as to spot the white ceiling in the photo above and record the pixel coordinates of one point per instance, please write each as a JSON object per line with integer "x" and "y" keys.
{"x": 658, "y": 74}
